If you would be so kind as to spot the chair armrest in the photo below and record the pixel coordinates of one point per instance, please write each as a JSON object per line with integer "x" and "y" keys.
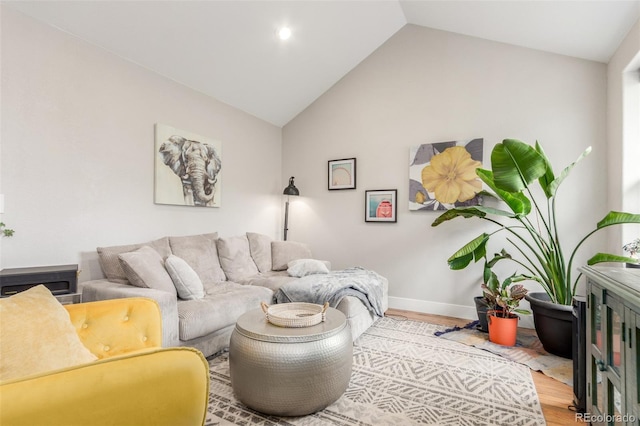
{"x": 119, "y": 326}
{"x": 104, "y": 289}
{"x": 156, "y": 387}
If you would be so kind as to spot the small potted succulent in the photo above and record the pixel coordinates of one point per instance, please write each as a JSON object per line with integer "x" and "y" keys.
{"x": 4, "y": 231}
{"x": 505, "y": 299}
{"x": 633, "y": 248}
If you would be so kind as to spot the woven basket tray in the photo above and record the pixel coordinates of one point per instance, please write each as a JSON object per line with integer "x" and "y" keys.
{"x": 295, "y": 315}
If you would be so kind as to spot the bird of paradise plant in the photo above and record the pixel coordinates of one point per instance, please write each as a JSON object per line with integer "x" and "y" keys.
{"x": 516, "y": 167}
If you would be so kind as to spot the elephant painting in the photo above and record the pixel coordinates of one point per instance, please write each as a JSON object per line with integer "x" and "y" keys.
{"x": 197, "y": 164}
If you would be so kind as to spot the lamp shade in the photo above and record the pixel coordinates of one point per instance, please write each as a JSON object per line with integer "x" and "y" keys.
{"x": 291, "y": 189}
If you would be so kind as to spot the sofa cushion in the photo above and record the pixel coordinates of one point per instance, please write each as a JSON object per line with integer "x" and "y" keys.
{"x": 235, "y": 258}
{"x": 304, "y": 267}
{"x": 145, "y": 268}
{"x": 37, "y": 335}
{"x": 272, "y": 279}
{"x": 260, "y": 248}
{"x": 201, "y": 253}
{"x": 283, "y": 252}
{"x": 221, "y": 307}
{"x": 185, "y": 279}
{"x": 110, "y": 264}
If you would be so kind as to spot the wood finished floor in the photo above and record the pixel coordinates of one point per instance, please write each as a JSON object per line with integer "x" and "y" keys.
{"x": 554, "y": 396}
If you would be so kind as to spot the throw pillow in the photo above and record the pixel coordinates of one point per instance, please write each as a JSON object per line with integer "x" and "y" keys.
{"x": 110, "y": 264}
{"x": 235, "y": 258}
{"x": 145, "y": 268}
{"x": 303, "y": 267}
{"x": 283, "y": 252}
{"x": 186, "y": 280}
{"x": 260, "y": 248}
{"x": 200, "y": 252}
{"x": 37, "y": 335}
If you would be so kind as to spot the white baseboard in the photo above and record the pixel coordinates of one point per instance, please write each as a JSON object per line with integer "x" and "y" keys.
{"x": 446, "y": 309}
{"x": 435, "y": 308}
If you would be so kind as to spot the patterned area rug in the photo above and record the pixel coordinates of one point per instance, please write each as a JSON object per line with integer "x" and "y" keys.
{"x": 404, "y": 375}
{"x": 528, "y": 350}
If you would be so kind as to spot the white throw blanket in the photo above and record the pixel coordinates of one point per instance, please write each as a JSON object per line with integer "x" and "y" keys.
{"x": 358, "y": 282}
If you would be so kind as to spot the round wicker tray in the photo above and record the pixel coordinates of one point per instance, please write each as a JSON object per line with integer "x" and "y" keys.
{"x": 296, "y": 314}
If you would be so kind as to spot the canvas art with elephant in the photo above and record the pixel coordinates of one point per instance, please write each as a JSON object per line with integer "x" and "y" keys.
{"x": 187, "y": 168}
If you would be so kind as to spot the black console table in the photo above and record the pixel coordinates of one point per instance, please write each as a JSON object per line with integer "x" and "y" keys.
{"x": 613, "y": 336}
{"x": 59, "y": 279}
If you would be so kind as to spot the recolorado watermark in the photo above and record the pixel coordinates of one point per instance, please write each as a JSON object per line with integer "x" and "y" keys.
{"x": 605, "y": 418}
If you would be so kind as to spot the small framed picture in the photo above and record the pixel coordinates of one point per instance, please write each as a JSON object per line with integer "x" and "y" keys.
{"x": 342, "y": 174}
{"x": 380, "y": 205}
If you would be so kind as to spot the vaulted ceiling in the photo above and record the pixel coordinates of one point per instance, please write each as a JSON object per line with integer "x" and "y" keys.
{"x": 229, "y": 49}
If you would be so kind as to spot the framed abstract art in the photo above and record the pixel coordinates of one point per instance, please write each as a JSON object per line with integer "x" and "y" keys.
{"x": 443, "y": 175}
{"x": 380, "y": 205}
{"x": 342, "y": 174}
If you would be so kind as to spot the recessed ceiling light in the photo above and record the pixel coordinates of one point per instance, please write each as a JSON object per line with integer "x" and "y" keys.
{"x": 284, "y": 33}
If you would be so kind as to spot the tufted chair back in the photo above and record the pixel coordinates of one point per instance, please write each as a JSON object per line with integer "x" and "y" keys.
{"x": 114, "y": 327}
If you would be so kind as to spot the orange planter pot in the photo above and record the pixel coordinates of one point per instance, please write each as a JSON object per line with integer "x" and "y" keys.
{"x": 502, "y": 331}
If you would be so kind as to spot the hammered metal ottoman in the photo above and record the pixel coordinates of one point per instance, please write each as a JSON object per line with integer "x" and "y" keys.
{"x": 290, "y": 371}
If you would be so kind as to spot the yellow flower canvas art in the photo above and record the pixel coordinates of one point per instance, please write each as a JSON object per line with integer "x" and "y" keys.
{"x": 443, "y": 175}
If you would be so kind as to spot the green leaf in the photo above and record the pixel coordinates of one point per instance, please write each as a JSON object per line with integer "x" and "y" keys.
{"x": 551, "y": 189}
{"x": 465, "y": 212}
{"x": 480, "y": 252}
{"x": 520, "y": 277}
{"x": 548, "y": 177}
{"x": 460, "y": 262}
{"x": 462, "y": 258}
{"x": 506, "y": 283}
{"x": 490, "y": 279}
{"x": 515, "y": 165}
{"x": 606, "y": 257}
{"x": 496, "y": 212}
{"x": 497, "y": 257}
{"x": 517, "y": 202}
{"x": 484, "y": 193}
{"x": 618, "y": 218}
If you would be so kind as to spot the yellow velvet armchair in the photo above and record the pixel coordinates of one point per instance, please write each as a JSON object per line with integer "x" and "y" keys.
{"x": 133, "y": 382}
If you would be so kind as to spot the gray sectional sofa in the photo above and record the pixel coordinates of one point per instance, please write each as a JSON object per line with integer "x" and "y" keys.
{"x": 203, "y": 283}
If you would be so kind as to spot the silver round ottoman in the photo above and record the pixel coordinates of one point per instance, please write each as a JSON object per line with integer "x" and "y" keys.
{"x": 290, "y": 371}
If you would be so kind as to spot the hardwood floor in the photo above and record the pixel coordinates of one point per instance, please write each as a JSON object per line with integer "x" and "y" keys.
{"x": 555, "y": 397}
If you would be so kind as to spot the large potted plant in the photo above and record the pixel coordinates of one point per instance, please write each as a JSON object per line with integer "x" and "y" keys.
{"x": 532, "y": 228}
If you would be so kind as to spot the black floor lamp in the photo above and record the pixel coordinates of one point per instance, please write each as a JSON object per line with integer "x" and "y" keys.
{"x": 289, "y": 190}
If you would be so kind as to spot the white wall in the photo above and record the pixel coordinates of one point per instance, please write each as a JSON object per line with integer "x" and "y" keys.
{"x": 426, "y": 86}
{"x": 623, "y": 134}
{"x": 78, "y": 152}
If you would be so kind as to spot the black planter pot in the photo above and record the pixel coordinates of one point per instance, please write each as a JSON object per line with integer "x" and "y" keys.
{"x": 554, "y": 324}
{"x": 482, "y": 307}
{"x": 633, "y": 265}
